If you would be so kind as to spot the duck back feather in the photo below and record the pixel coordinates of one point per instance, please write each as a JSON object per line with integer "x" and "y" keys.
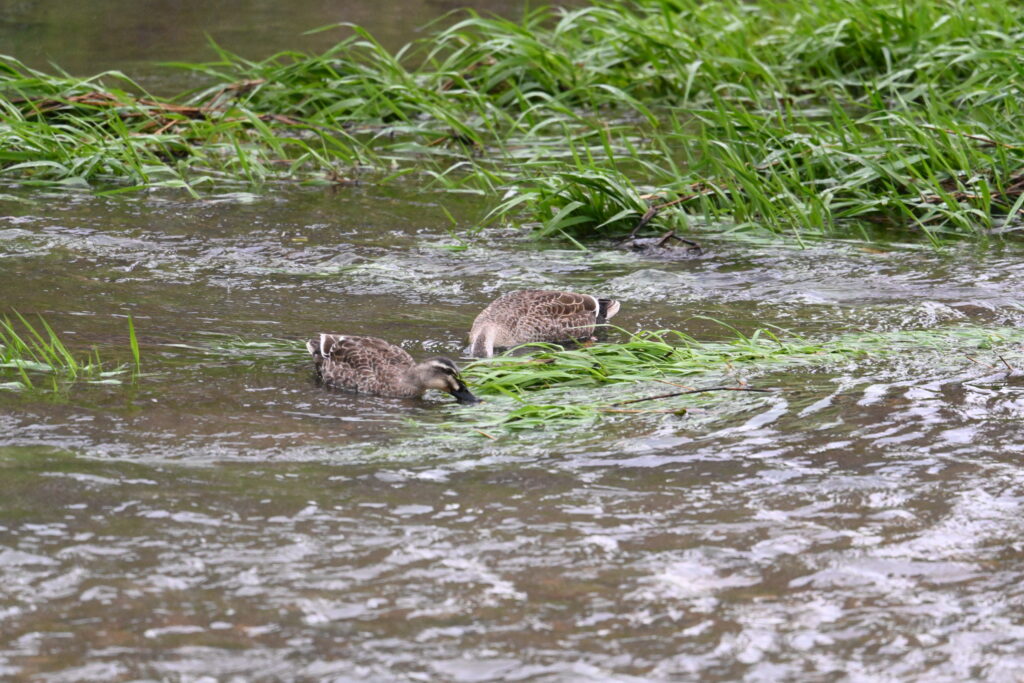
{"x": 538, "y": 315}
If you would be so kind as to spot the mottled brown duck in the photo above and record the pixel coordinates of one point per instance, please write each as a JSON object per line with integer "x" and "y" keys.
{"x": 538, "y": 315}
{"x": 373, "y": 366}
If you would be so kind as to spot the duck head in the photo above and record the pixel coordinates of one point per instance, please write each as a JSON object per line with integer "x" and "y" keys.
{"x": 443, "y": 374}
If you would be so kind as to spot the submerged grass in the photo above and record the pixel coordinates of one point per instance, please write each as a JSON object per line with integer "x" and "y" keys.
{"x": 657, "y": 361}
{"x": 665, "y": 372}
{"x": 133, "y": 343}
{"x": 810, "y": 117}
{"x": 246, "y": 350}
{"x": 33, "y": 358}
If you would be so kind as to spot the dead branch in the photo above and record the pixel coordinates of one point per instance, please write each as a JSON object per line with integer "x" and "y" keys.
{"x": 692, "y": 391}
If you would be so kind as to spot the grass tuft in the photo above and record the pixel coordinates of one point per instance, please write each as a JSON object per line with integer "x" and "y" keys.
{"x": 674, "y": 372}
{"x": 810, "y": 118}
{"x": 133, "y": 343}
{"x": 28, "y": 351}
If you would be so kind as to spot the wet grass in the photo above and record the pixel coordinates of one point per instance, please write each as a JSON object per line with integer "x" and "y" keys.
{"x": 665, "y": 372}
{"x": 808, "y": 118}
{"x": 34, "y": 359}
{"x": 646, "y": 356}
{"x": 249, "y": 351}
{"x": 674, "y": 372}
{"x": 576, "y": 203}
{"x": 674, "y": 355}
{"x": 133, "y": 344}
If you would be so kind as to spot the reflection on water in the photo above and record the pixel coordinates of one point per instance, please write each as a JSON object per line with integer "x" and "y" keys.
{"x": 88, "y": 37}
{"x": 133, "y": 36}
{"x": 226, "y": 517}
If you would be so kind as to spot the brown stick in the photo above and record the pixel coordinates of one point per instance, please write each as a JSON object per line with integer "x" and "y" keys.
{"x": 671, "y": 235}
{"x": 636, "y": 411}
{"x": 692, "y": 391}
{"x": 980, "y": 138}
{"x": 653, "y": 211}
{"x": 164, "y": 128}
{"x": 687, "y": 197}
{"x": 673, "y": 384}
{"x": 978, "y": 362}
{"x": 644, "y": 220}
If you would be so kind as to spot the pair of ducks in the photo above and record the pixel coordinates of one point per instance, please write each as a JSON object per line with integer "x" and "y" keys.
{"x": 373, "y": 366}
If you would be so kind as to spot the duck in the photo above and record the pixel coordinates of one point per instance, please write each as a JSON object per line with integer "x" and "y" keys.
{"x": 370, "y": 365}
{"x": 538, "y": 315}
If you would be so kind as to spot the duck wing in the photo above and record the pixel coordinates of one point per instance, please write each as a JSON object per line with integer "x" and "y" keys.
{"x": 342, "y": 353}
{"x": 558, "y": 316}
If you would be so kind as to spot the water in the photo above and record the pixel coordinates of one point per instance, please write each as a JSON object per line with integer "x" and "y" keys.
{"x": 86, "y": 38}
{"x": 227, "y": 519}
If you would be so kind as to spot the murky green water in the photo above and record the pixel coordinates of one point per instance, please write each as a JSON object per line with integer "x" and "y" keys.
{"x": 227, "y": 518}
{"x": 89, "y": 37}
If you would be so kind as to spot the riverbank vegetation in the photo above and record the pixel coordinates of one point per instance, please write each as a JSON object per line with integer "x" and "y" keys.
{"x": 808, "y": 118}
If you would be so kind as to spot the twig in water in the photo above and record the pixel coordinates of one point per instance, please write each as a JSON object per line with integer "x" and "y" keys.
{"x": 644, "y": 220}
{"x": 1008, "y": 366}
{"x": 489, "y": 436}
{"x": 692, "y": 391}
{"x": 978, "y": 362}
{"x": 673, "y": 384}
{"x": 671, "y": 235}
{"x": 639, "y": 411}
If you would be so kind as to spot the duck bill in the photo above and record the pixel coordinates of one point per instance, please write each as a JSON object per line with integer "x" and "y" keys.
{"x": 463, "y": 395}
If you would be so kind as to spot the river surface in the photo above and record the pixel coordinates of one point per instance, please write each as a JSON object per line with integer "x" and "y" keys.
{"x": 226, "y": 519}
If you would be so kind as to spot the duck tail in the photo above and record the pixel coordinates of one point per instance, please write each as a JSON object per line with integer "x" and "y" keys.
{"x": 321, "y": 347}
{"x": 482, "y": 344}
{"x": 606, "y": 308}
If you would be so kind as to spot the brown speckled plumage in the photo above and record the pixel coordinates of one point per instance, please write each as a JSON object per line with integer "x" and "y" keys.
{"x": 538, "y": 315}
{"x": 373, "y": 366}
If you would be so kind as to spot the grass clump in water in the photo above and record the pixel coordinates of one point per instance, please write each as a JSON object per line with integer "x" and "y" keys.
{"x": 579, "y": 202}
{"x": 652, "y": 360}
{"x": 28, "y": 351}
{"x": 665, "y": 372}
{"x": 647, "y": 356}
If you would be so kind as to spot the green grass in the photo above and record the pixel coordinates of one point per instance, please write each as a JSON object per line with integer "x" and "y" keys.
{"x": 647, "y": 356}
{"x": 673, "y": 355}
{"x": 554, "y": 387}
{"x": 251, "y": 351}
{"x": 805, "y": 118}
{"x": 665, "y": 372}
{"x": 581, "y": 202}
{"x": 33, "y": 358}
{"x": 133, "y": 343}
